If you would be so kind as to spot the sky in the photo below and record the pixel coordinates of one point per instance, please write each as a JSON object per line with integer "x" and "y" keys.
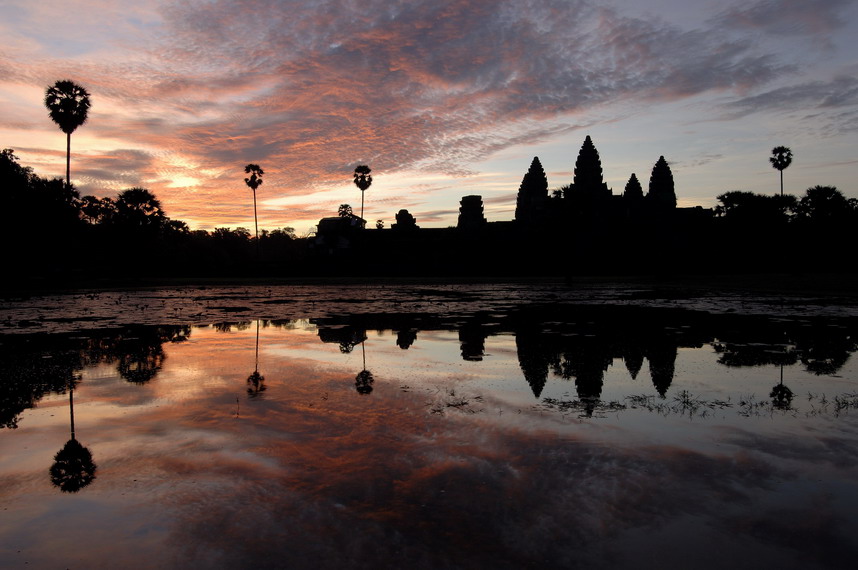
{"x": 441, "y": 98}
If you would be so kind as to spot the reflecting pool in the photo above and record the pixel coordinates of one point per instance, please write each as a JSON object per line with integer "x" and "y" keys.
{"x": 606, "y": 437}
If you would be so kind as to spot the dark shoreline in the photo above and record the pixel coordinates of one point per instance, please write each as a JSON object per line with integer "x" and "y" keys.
{"x": 841, "y": 284}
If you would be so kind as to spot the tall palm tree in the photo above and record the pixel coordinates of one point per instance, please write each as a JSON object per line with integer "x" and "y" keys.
{"x": 780, "y": 159}
{"x": 256, "y": 381}
{"x": 364, "y": 378}
{"x": 254, "y": 182}
{"x": 363, "y": 180}
{"x": 73, "y": 467}
{"x": 781, "y": 395}
{"x": 68, "y": 104}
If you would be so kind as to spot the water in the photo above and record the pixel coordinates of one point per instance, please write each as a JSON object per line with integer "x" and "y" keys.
{"x": 603, "y": 437}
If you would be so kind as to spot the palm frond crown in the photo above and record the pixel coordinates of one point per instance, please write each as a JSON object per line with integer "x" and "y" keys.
{"x": 781, "y": 157}
{"x": 68, "y": 105}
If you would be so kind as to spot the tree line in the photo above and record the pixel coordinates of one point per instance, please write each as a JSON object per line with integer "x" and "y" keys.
{"x": 814, "y": 232}
{"x": 54, "y": 232}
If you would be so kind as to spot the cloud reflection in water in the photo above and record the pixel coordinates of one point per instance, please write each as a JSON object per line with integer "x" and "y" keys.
{"x": 317, "y": 475}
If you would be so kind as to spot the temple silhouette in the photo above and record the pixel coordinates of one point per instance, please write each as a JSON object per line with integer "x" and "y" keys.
{"x": 589, "y": 200}
{"x": 582, "y": 226}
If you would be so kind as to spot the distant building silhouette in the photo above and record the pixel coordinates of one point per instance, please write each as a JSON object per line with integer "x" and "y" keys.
{"x": 405, "y": 221}
{"x": 471, "y": 213}
{"x": 336, "y": 234}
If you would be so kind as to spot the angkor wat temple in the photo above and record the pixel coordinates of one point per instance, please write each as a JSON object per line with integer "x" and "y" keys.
{"x": 588, "y": 196}
{"x": 582, "y": 226}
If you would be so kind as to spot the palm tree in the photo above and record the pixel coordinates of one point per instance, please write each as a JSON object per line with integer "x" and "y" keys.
{"x": 364, "y": 378}
{"x": 363, "y": 180}
{"x": 73, "y": 467}
{"x": 68, "y": 104}
{"x": 781, "y": 395}
{"x": 254, "y": 182}
{"x": 256, "y": 381}
{"x": 780, "y": 159}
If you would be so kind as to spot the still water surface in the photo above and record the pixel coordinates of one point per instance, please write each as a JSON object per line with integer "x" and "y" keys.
{"x": 487, "y": 442}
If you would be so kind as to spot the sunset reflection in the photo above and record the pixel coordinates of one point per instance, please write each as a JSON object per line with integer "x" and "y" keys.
{"x": 483, "y": 444}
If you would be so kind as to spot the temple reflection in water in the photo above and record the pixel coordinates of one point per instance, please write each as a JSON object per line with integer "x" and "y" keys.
{"x": 578, "y": 348}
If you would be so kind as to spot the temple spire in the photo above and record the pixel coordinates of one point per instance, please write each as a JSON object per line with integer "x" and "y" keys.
{"x": 532, "y": 194}
{"x": 662, "y": 194}
{"x": 588, "y": 185}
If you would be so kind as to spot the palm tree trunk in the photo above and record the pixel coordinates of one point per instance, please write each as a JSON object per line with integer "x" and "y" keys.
{"x": 255, "y": 224}
{"x": 782, "y": 182}
{"x": 71, "y": 409}
{"x": 361, "y": 205}
{"x": 68, "y": 160}
{"x": 256, "y": 363}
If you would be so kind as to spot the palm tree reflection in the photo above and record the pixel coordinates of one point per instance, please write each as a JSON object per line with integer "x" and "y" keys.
{"x": 73, "y": 467}
{"x": 781, "y": 395}
{"x": 364, "y": 379}
{"x": 256, "y": 381}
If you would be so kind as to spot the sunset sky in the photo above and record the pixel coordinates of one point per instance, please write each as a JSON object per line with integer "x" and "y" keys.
{"x": 440, "y": 98}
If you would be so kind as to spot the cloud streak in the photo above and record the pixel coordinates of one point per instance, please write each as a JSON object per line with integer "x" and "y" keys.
{"x": 837, "y": 93}
{"x": 787, "y": 17}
